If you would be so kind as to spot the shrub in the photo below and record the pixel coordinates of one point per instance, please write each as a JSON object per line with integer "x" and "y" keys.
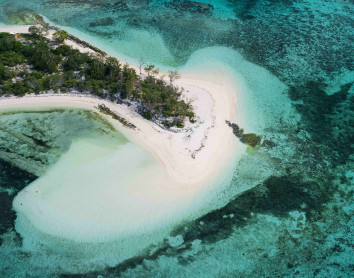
{"x": 97, "y": 70}
{"x": 70, "y": 83}
{"x": 34, "y": 84}
{"x": 37, "y": 74}
{"x": 180, "y": 124}
{"x": 64, "y": 50}
{"x": 42, "y": 58}
{"x": 75, "y": 61}
{"x": 148, "y": 115}
{"x": 5, "y": 73}
{"x": 53, "y": 81}
{"x": 23, "y": 73}
{"x": 20, "y": 88}
{"x": 60, "y": 36}
{"x": 11, "y": 58}
{"x": 8, "y": 43}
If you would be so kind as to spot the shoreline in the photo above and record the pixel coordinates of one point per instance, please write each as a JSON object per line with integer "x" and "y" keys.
{"x": 194, "y": 163}
{"x": 204, "y": 90}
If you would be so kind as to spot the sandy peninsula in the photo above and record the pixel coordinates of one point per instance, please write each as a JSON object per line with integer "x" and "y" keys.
{"x": 180, "y": 184}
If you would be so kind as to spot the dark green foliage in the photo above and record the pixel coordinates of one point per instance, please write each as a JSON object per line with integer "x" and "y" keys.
{"x": 19, "y": 88}
{"x": 112, "y": 88}
{"x": 5, "y": 73}
{"x": 75, "y": 60}
{"x": 96, "y": 70}
{"x": 8, "y": 43}
{"x": 60, "y": 36}
{"x": 23, "y": 73}
{"x": 64, "y": 68}
{"x": 129, "y": 79}
{"x": 113, "y": 68}
{"x": 34, "y": 30}
{"x": 148, "y": 114}
{"x": 70, "y": 83}
{"x": 69, "y": 79}
{"x": 33, "y": 37}
{"x": 104, "y": 109}
{"x": 64, "y": 50}
{"x": 11, "y": 58}
{"x": 53, "y": 81}
{"x": 37, "y": 74}
{"x": 42, "y": 58}
{"x": 34, "y": 84}
{"x": 159, "y": 98}
{"x": 179, "y": 124}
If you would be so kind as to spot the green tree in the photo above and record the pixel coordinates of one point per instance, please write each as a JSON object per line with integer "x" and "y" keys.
{"x": 11, "y": 58}
{"x": 9, "y": 43}
{"x": 97, "y": 70}
{"x": 5, "y": 73}
{"x": 64, "y": 50}
{"x": 60, "y": 36}
{"x": 20, "y": 88}
{"x": 34, "y": 84}
{"x": 35, "y": 31}
{"x": 113, "y": 68}
{"x": 149, "y": 69}
{"x": 75, "y": 61}
{"x": 129, "y": 79}
{"x": 52, "y": 82}
{"x": 43, "y": 58}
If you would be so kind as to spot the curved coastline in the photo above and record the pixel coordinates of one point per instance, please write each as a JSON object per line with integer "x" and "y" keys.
{"x": 192, "y": 164}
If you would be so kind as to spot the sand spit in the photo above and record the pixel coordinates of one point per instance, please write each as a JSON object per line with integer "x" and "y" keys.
{"x": 132, "y": 196}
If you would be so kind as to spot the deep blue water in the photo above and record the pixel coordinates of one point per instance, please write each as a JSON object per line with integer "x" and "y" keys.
{"x": 298, "y": 221}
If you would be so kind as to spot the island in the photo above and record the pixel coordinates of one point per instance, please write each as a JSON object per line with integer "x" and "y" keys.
{"x": 176, "y": 166}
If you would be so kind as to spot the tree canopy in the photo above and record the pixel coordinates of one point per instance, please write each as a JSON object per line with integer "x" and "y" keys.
{"x": 61, "y": 68}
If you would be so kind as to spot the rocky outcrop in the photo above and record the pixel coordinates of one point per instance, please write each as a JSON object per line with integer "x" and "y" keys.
{"x": 250, "y": 139}
{"x": 105, "y": 110}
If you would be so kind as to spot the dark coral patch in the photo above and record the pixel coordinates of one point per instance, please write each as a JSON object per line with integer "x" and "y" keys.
{"x": 14, "y": 180}
{"x": 326, "y": 117}
{"x": 108, "y": 21}
{"x": 276, "y": 196}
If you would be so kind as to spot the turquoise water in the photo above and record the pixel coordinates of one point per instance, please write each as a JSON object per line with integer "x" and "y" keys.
{"x": 295, "y": 61}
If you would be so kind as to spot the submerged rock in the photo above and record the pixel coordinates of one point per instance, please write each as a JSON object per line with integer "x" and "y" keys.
{"x": 250, "y": 139}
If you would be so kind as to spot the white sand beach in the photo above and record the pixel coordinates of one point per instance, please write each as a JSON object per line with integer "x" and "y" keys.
{"x": 138, "y": 192}
{"x": 15, "y": 28}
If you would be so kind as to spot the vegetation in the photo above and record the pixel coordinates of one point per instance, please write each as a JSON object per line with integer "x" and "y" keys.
{"x": 249, "y": 139}
{"x": 31, "y": 64}
{"x": 61, "y": 36}
{"x": 105, "y": 110}
{"x": 38, "y": 31}
{"x": 173, "y": 75}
